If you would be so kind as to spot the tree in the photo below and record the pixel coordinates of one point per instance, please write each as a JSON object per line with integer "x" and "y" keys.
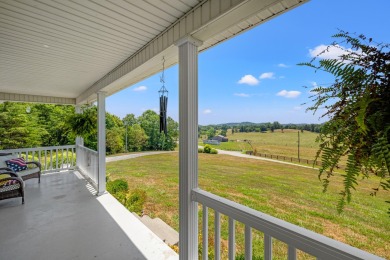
{"x": 277, "y": 125}
{"x": 358, "y": 107}
{"x": 137, "y": 138}
{"x": 114, "y": 140}
{"x": 51, "y": 117}
{"x": 129, "y": 120}
{"x": 149, "y": 121}
{"x": 211, "y": 133}
{"x": 18, "y": 128}
{"x": 113, "y": 121}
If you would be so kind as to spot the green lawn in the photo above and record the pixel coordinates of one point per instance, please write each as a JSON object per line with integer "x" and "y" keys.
{"x": 291, "y": 193}
{"x": 276, "y": 143}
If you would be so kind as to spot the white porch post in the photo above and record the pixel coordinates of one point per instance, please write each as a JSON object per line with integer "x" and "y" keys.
{"x": 188, "y": 150}
{"x": 101, "y": 100}
{"x": 79, "y": 139}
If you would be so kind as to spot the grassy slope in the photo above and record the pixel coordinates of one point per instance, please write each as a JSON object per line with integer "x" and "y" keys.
{"x": 292, "y": 193}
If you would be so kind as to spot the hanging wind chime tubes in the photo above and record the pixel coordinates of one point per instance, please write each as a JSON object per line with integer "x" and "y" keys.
{"x": 163, "y": 93}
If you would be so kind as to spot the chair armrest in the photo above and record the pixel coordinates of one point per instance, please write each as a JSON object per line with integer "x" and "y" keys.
{"x": 12, "y": 174}
{"x": 38, "y": 164}
{"x": 6, "y": 169}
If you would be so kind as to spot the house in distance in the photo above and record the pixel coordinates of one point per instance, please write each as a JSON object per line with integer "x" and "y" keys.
{"x": 220, "y": 138}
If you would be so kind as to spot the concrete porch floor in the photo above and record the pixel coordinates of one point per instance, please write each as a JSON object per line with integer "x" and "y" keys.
{"x": 62, "y": 219}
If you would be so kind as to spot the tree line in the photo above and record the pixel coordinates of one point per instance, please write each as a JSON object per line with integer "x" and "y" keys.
{"x": 248, "y": 127}
{"x": 24, "y": 125}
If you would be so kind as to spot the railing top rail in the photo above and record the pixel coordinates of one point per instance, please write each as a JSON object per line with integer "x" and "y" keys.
{"x": 315, "y": 244}
{"x": 45, "y": 148}
{"x": 87, "y": 149}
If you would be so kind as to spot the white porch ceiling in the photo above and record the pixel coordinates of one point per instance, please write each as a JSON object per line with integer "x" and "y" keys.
{"x": 64, "y": 51}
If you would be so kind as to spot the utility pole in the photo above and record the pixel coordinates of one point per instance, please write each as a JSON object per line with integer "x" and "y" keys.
{"x": 299, "y": 158}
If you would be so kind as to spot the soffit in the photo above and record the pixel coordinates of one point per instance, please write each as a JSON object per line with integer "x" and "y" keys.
{"x": 60, "y": 48}
{"x": 64, "y": 49}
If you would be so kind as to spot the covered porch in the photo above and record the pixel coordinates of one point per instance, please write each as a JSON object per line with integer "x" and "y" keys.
{"x": 80, "y": 53}
{"x": 64, "y": 219}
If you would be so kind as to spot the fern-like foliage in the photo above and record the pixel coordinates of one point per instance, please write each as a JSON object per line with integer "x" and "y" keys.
{"x": 358, "y": 107}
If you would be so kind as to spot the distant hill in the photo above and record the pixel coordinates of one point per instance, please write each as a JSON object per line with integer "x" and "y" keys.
{"x": 257, "y": 127}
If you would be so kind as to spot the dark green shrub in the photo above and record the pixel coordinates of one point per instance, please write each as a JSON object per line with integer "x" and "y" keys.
{"x": 119, "y": 185}
{"x": 213, "y": 151}
{"x": 200, "y": 150}
{"x": 207, "y": 148}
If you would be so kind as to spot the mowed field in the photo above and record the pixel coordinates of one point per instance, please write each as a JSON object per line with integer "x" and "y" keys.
{"x": 291, "y": 193}
{"x": 277, "y": 143}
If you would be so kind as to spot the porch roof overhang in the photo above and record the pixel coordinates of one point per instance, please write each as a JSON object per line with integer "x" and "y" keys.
{"x": 64, "y": 52}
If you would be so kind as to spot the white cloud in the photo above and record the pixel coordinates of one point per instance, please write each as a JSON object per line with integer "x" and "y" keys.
{"x": 282, "y": 77}
{"x": 267, "y": 75}
{"x": 289, "y": 94}
{"x": 328, "y": 51}
{"x": 248, "y": 79}
{"x": 242, "y": 95}
{"x": 140, "y": 88}
{"x": 282, "y": 65}
{"x": 297, "y": 108}
{"x": 207, "y": 111}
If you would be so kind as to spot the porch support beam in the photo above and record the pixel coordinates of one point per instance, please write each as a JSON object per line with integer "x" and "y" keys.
{"x": 79, "y": 139}
{"x": 101, "y": 98}
{"x": 188, "y": 150}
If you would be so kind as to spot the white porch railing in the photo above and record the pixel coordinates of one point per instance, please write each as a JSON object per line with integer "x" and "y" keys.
{"x": 87, "y": 163}
{"x": 52, "y": 158}
{"x": 295, "y": 237}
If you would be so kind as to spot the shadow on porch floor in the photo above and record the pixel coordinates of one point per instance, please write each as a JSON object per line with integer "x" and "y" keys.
{"x": 61, "y": 219}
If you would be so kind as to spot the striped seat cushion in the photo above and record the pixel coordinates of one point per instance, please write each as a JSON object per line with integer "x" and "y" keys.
{"x": 17, "y": 165}
{"x": 9, "y": 185}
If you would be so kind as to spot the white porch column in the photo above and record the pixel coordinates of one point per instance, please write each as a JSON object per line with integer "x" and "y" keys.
{"x": 101, "y": 101}
{"x": 188, "y": 146}
{"x": 79, "y": 139}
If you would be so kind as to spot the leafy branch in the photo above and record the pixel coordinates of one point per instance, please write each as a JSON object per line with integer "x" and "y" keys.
{"x": 358, "y": 107}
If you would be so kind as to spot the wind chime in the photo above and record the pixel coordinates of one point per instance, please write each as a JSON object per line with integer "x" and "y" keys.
{"x": 163, "y": 94}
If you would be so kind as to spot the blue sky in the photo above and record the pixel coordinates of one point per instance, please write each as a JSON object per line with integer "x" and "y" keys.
{"x": 254, "y": 77}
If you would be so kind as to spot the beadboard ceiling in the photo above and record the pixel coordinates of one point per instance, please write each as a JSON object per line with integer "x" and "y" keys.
{"x": 64, "y": 51}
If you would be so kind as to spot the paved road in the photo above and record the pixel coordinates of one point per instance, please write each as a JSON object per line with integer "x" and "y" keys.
{"x": 231, "y": 153}
{"x": 133, "y": 155}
